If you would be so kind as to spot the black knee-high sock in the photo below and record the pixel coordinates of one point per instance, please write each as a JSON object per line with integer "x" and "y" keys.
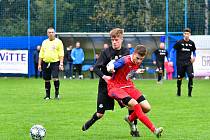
{"x": 190, "y": 86}
{"x": 179, "y": 83}
{"x": 159, "y": 76}
{"x": 130, "y": 112}
{"x": 56, "y": 85}
{"x": 47, "y": 88}
{"x": 90, "y": 122}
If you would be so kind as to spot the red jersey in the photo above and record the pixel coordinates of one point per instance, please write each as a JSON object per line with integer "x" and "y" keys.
{"x": 124, "y": 67}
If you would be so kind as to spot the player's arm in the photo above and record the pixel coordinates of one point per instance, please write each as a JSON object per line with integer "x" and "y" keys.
{"x": 154, "y": 58}
{"x": 61, "y": 55}
{"x": 99, "y": 64}
{"x": 167, "y": 56}
{"x": 194, "y": 54}
{"x": 114, "y": 65}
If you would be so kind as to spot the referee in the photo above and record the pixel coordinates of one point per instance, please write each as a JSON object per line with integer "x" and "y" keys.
{"x": 51, "y": 61}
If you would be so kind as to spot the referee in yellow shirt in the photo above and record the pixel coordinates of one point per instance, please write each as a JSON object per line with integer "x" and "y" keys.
{"x": 51, "y": 61}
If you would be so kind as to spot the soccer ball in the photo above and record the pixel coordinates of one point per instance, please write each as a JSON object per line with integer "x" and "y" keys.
{"x": 110, "y": 66}
{"x": 37, "y": 132}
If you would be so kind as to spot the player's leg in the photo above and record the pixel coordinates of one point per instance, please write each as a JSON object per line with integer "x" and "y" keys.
{"x": 138, "y": 113}
{"x": 104, "y": 102}
{"x": 137, "y": 95}
{"x": 134, "y": 130}
{"x": 55, "y": 73}
{"x": 190, "y": 75}
{"x": 47, "y": 77}
{"x": 96, "y": 116}
{"x": 180, "y": 75}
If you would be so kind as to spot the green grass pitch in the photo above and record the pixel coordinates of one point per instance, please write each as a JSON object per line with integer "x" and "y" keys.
{"x": 22, "y": 105}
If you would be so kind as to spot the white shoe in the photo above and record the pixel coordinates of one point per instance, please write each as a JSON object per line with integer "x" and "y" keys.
{"x": 158, "y": 132}
{"x": 64, "y": 77}
{"x": 131, "y": 124}
{"x": 80, "y": 76}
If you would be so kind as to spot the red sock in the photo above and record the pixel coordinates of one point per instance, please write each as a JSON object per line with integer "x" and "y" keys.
{"x": 143, "y": 118}
{"x": 132, "y": 117}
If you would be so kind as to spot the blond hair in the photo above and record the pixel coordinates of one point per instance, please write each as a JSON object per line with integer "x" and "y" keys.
{"x": 116, "y": 32}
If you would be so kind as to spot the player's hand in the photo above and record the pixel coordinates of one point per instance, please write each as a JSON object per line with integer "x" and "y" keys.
{"x": 39, "y": 67}
{"x": 61, "y": 67}
{"x": 192, "y": 59}
{"x": 154, "y": 62}
{"x": 106, "y": 78}
{"x": 139, "y": 71}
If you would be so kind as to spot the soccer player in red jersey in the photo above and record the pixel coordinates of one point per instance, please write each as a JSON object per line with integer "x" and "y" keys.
{"x": 122, "y": 89}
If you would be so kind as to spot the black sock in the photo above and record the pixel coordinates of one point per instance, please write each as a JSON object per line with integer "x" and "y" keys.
{"x": 91, "y": 75}
{"x": 159, "y": 76}
{"x": 56, "y": 84}
{"x": 179, "y": 83}
{"x": 130, "y": 112}
{"x": 190, "y": 86}
{"x": 90, "y": 122}
{"x": 47, "y": 88}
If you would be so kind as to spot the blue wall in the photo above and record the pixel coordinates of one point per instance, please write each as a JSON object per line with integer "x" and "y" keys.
{"x": 172, "y": 40}
{"x": 23, "y": 43}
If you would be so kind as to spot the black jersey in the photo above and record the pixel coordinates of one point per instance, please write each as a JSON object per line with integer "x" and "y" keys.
{"x": 105, "y": 57}
{"x": 184, "y": 50}
{"x": 160, "y": 55}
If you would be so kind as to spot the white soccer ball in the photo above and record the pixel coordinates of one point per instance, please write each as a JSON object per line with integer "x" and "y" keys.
{"x": 110, "y": 66}
{"x": 37, "y": 132}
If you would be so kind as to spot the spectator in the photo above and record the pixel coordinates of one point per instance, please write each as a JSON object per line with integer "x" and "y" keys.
{"x": 169, "y": 69}
{"x": 91, "y": 68}
{"x": 105, "y": 46}
{"x": 77, "y": 56}
{"x": 36, "y": 60}
{"x": 129, "y": 45}
{"x": 68, "y": 63}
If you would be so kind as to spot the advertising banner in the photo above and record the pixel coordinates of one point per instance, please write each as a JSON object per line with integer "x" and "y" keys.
{"x": 14, "y": 61}
{"x": 202, "y": 62}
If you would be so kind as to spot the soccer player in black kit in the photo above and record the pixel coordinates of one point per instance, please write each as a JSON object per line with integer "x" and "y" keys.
{"x": 104, "y": 102}
{"x": 184, "y": 62}
{"x": 158, "y": 57}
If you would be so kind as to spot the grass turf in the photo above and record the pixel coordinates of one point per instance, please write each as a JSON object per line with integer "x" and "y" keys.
{"x": 22, "y": 105}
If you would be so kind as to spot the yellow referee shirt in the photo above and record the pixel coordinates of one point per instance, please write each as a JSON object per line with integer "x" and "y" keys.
{"x": 51, "y": 51}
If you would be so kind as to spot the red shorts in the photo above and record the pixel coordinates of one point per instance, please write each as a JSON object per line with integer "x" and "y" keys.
{"x": 120, "y": 93}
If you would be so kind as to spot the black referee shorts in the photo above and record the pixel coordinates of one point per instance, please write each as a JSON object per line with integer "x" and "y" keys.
{"x": 50, "y": 70}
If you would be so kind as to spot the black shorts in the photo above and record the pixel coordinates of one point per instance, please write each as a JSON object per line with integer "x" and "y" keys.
{"x": 104, "y": 102}
{"x": 139, "y": 100}
{"x": 182, "y": 69}
{"x": 50, "y": 70}
{"x": 160, "y": 66}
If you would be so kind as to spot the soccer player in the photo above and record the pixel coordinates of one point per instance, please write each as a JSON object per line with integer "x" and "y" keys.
{"x": 184, "y": 62}
{"x": 51, "y": 58}
{"x": 158, "y": 57}
{"x": 104, "y": 102}
{"x": 122, "y": 89}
